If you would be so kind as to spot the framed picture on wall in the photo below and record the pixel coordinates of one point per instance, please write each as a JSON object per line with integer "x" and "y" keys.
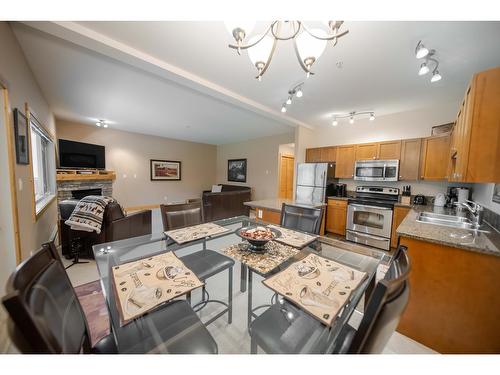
{"x": 165, "y": 170}
{"x": 496, "y": 193}
{"x": 237, "y": 170}
{"x": 21, "y": 129}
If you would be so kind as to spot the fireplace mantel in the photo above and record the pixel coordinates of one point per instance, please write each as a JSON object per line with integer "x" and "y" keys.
{"x": 84, "y": 175}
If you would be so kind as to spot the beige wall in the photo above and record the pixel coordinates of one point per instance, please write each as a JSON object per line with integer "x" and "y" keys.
{"x": 262, "y": 163}
{"x": 128, "y": 154}
{"x": 17, "y": 76}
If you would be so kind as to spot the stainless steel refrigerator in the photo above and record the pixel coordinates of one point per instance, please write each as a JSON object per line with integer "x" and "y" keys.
{"x": 312, "y": 179}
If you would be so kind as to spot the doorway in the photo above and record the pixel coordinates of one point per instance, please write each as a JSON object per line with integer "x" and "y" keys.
{"x": 286, "y": 171}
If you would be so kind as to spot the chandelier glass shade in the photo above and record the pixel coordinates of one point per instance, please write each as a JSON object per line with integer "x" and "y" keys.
{"x": 309, "y": 43}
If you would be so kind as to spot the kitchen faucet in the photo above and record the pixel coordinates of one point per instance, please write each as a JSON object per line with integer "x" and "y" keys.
{"x": 475, "y": 209}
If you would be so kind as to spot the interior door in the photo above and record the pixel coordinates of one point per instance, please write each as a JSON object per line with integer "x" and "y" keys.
{"x": 286, "y": 176}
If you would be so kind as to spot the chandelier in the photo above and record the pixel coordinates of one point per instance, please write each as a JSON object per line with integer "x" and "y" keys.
{"x": 309, "y": 43}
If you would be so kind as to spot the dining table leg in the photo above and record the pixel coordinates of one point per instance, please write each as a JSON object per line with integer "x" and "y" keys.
{"x": 249, "y": 305}
{"x": 243, "y": 278}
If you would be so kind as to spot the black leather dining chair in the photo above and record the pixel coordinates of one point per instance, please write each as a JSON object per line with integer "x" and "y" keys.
{"x": 204, "y": 263}
{"x": 286, "y": 329}
{"x": 304, "y": 219}
{"x": 46, "y": 316}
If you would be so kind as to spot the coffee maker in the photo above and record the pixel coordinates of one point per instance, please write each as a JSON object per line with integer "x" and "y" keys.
{"x": 456, "y": 194}
{"x": 336, "y": 190}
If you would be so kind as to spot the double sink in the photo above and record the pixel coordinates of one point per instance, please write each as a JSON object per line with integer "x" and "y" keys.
{"x": 453, "y": 221}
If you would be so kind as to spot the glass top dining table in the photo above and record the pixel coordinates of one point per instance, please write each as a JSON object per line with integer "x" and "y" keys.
{"x": 250, "y": 298}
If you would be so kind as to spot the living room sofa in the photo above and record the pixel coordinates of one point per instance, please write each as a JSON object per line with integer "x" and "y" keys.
{"x": 227, "y": 203}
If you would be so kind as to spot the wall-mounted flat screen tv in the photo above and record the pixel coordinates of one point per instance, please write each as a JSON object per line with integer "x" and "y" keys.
{"x": 81, "y": 155}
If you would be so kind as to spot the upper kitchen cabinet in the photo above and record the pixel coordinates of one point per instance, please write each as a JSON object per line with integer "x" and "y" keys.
{"x": 346, "y": 156}
{"x": 328, "y": 154}
{"x": 380, "y": 150}
{"x": 435, "y": 154}
{"x": 366, "y": 151}
{"x": 389, "y": 150}
{"x": 410, "y": 159}
{"x": 313, "y": 155}
{"x": 475, "y": 150}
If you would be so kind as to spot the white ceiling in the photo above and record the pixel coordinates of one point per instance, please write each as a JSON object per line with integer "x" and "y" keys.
{"x": 215, "y": 99}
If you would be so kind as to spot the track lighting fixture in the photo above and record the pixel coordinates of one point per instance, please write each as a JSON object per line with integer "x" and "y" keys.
{"x": 422, "y": 52}
{"x": 351, "y": 116}
{"x": 295, "y": 91}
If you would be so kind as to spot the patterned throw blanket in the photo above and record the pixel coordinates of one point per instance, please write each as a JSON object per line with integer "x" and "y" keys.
{"x": 88, "y": 213}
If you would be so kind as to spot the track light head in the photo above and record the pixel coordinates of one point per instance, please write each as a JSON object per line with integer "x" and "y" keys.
{"x": 299, "y": 93}
{"x": 372, "y": 117}
{"x": 436, "y": 76}
{"x": 335, "y": 122}
{"x": 421, "y": 51}
{"x": 351, "y": 120}
{"x": 424, "y": 69}
{"x": 289, "y": 100}
{"x": 283, "y": 108}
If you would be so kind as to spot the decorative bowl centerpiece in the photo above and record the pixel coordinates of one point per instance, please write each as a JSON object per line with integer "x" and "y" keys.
{"x": 257, "y": 236}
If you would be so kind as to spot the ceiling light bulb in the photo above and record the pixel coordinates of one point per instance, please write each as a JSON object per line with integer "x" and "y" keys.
{"x": 239, "y": 29}
{"x": 98, "y": 124}
{"x": 259, "y": 54}
{"x": 289, "y": 100}
{"x": 424, "y": 69}
{"x": 283, "y": 108}
{"x": 421, "y": 51}
{"x": 351, "y": 120}
{"x": 436, "y": 76}
{"x": 299, "y": 93}
{"x": 372, "y": 117}
{"x": 335, "y": 122}
{"x": 105, "y": 125}
{"x": 310, "y": 48}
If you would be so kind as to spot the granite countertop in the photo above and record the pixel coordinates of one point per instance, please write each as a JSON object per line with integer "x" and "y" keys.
{"x": 487, "y": 243}
{"x": 276, "y": 203}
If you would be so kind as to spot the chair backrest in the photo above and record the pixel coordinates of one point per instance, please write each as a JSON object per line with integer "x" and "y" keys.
{"x": 304, "y": 219}
{"x": 181, "y": 215}
{"x": 386, "y": 305}
{"x": 45, "y": 314}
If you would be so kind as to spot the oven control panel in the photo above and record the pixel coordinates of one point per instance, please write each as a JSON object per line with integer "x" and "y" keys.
{"x": 378, "y": 190}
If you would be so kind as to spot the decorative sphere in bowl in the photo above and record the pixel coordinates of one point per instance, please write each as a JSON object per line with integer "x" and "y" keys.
{"x": 258, "y": 236}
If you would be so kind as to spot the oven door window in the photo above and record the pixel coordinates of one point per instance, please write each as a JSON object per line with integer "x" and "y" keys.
{"x": 370, "y": 172}
{"x": 368, "y": 219}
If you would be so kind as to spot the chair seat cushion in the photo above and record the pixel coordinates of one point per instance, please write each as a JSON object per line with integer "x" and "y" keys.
{"x": 173, "y": 328}
{"x": 206, "y": 263}
{"x": 106, "y": 345}
{"x": 285, "y": 329}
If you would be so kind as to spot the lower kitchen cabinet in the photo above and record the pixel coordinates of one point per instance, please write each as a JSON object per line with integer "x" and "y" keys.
{"x": 336, "y": 216}
{"x": 398, "y": 216}
{"x": 454, "y": 301}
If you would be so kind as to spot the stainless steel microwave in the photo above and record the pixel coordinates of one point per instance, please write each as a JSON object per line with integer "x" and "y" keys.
{"x": 376, "y": 170}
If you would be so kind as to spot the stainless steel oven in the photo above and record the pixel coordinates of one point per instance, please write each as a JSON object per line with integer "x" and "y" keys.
{"x": 376, "y": 170}
{"x": 369, "y": 216}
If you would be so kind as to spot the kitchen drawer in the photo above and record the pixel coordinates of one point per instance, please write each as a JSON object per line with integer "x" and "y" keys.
{"x": 337, "y": 202}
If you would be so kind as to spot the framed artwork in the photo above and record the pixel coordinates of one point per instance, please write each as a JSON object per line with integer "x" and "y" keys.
{"x": 165, "y": 170}
{"x": 496, "y": 193}
{"x": 21, "y": 129}
{"x": 237, "y": 170}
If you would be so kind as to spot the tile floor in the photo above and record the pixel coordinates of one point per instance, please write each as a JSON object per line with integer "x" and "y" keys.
{"x": 234, "y": 338}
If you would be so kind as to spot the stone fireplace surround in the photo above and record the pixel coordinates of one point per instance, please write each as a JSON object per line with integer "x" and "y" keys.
{"x": 65, "y": 188}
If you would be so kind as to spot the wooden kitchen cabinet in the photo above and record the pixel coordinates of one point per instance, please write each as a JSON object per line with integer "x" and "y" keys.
{"x": 475, "y": 148}
{"x": 390, "y": 150}
{"x": 313, "y": 155}
{"x": 336, "y": 216}
{"x": 398, "y": 216}
{"x": 366, "y": 151}
{"x": 409, "y": 165}
{"x": 346, "y": 156}
{"x": 435, "y": 153}
{"x": 328, "y": 154}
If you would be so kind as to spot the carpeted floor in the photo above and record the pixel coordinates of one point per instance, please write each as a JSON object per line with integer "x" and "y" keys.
{"x": 94, "y": 307}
